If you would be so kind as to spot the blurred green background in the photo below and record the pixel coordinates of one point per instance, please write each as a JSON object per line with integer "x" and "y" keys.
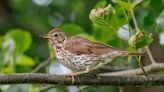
{"x": 23, "y": 21}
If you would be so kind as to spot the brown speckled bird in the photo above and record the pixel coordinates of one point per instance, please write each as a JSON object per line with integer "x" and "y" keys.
{"x": 80, "y": 54}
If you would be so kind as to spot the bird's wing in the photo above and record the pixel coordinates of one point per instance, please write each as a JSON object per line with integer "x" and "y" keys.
{"x": 79, "y": 45}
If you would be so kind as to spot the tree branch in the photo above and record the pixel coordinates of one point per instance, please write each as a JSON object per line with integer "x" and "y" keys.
{"x": 138, "y": 71}
{"x": 121, "y": 78}
{"x": 81, "y": 80}
{"x": 150, "y": 56}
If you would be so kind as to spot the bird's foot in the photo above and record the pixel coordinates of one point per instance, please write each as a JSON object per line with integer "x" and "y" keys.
{"x": 72, "y": 75}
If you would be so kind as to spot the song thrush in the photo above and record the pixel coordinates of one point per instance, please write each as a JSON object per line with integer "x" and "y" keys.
{"x": 80, "y": 54}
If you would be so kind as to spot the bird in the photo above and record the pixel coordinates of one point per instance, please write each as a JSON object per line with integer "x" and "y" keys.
{"x": 80, "y": 54}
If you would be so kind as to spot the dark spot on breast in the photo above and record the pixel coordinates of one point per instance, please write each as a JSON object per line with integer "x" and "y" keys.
{"x": 58, "y": 47}
{"x": 83, "y": 58}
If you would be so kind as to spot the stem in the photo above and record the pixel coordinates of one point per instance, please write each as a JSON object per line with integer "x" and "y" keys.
{"x": 134, "y": 21}
{"x": 138, "y": 71}
{"x": 45, "y": 63}
{"x": 137, "y": 29}
{"x": 139, "y": 61}
{"x": 150, "y": 56}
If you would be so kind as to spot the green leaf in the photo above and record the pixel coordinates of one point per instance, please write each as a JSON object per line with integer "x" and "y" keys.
{"x": 101, "y": 3}
{"x": 149, "y": 19}
{"x": 8, "y": 70}
{"x": 1, "y": 40}
{"x": 156, "y": 6}
{"x": 23, "y": 60}
{"x": 72, "y": 29}
{"x": 116, "y": 42}
{"x": 140, "y": 39}
{"x": 1, "y": 59}
{"x": 128, "y": 6}
{"x": 123, "y": 16}
{"x": 109, "y": 18}
{"x": 136, "y": 2}
{"x": 103, "y": 17}
{"x": 22, "y": 38}
{"x": 109, "y": 37}
{"x": 144, "y": 41}
{"x": 160, "y": 23}
{"x": 102, "y": 35}
{"x": 23, "y": 69}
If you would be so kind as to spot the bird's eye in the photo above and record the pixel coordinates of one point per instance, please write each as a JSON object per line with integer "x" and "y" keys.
{"x": 56, "y": 35}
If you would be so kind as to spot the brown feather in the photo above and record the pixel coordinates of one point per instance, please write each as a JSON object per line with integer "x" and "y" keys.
{"x": 79, "y": 45}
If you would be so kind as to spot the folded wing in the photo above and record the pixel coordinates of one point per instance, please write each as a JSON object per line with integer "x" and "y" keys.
{"x": 79, "y": 45}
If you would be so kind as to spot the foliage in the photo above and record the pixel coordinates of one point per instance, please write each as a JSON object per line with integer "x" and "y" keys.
{"x": 140, "y": 40}
{"x": 108, "y": 18}
{"x": 13, "y": 45}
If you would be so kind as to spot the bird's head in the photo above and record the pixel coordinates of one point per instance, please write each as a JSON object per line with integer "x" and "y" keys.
{"x": 56, "y": 36}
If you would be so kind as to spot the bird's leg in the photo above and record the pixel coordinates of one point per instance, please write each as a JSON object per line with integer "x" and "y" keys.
{"x": 78, "y": 73}
{"x": 72, "y": 77}
{"x": 87, "y": 70}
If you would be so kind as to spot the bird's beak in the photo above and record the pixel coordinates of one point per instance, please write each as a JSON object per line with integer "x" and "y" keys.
{"x": 46, "y": 36}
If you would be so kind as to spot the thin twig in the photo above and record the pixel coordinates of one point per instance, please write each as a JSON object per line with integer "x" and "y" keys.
{"x": 150, "y": 56}
{"x": 134, "y": 21}
{"x": 47, "y": 88}
{"x": 141, "y": 66}
{"x": 40, "y": 66}
{"x": 45, "y": 63}
{"x": 138, "y": 30}
{"x": 134, "y": 18}
{"x": 138, "y": 71}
